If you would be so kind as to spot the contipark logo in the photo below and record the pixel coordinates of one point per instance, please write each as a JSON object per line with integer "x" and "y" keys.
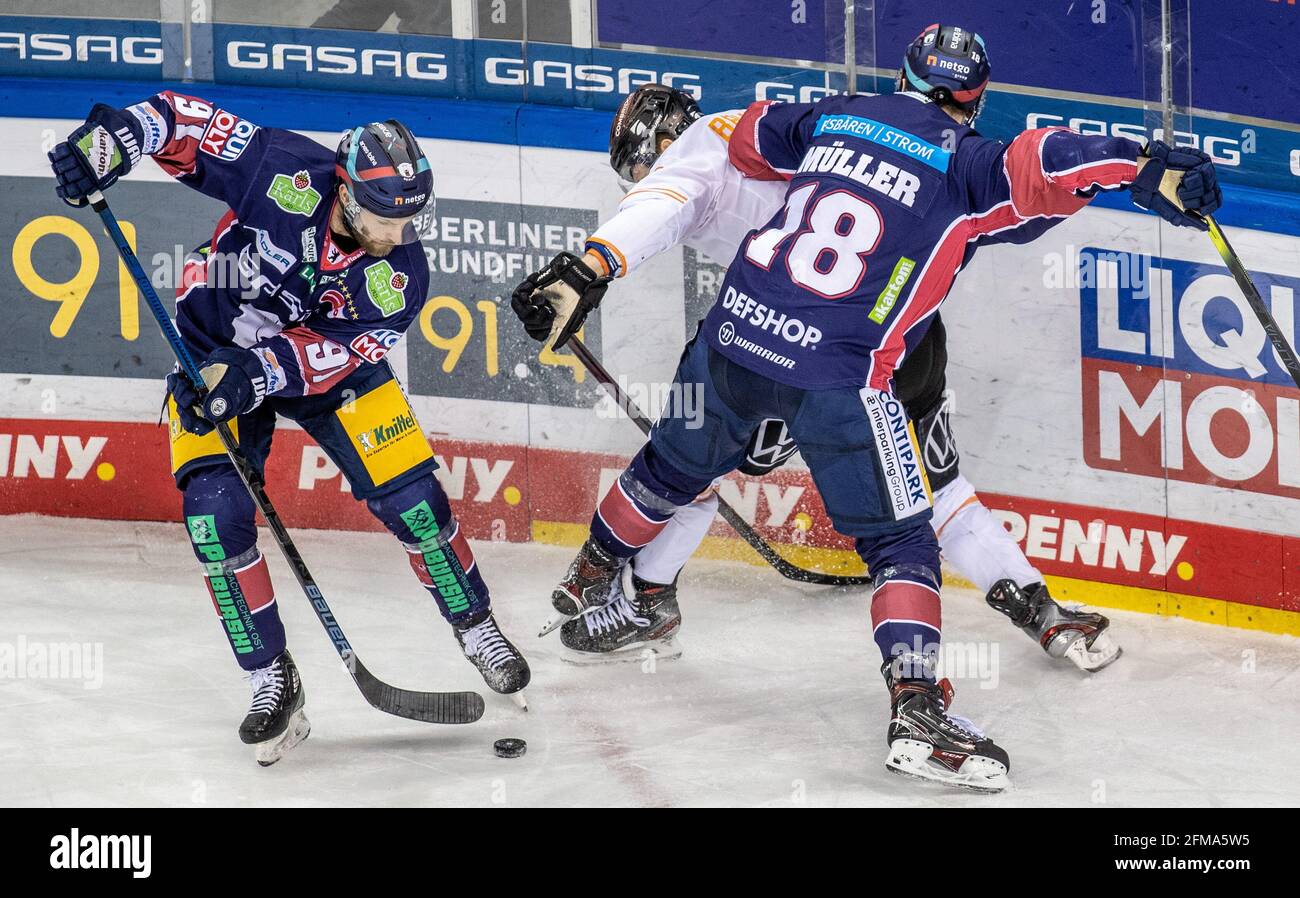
{"x": 89, "y": 852}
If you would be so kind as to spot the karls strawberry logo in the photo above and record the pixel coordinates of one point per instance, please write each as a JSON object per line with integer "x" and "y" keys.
{"x": 301, "y": 180}
{"x": 397, "y": 281}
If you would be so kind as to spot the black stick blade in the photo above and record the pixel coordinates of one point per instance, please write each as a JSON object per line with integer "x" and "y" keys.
{"x": 428, "y": 707}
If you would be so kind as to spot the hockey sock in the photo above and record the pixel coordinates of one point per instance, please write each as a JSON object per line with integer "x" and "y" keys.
{"x": 630, "y": 516}
{"x": 905, "y": 608}
{"x": 420, "y": 516}
{"x": 219, "y": 516}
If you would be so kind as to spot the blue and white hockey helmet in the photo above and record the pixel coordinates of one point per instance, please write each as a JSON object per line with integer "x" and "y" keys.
{"x": 948, "y": 64}
{"x": 389, "y": 181}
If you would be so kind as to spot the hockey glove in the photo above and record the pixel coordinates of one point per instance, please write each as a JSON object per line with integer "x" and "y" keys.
{"x": 96, "y": 154}
{"x": 236, "y": 384}
{"x": 187, "y": 404}
{"x": 1179, "y": 184}
{"x": 554, "y": 302}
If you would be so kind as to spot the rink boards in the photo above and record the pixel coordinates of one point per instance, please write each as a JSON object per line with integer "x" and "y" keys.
{"x": 1114, "y": 401}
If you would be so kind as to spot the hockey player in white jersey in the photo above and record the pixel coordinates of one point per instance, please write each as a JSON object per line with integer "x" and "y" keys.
{"x": 686, "y": 191}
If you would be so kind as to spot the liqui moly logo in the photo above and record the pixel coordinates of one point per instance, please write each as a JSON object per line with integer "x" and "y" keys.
{"x": 1179, "y": 378}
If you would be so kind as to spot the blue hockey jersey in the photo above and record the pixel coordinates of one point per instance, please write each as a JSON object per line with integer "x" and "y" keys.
{"x": 272, "y": 279}
{"x": 888, "y": 199}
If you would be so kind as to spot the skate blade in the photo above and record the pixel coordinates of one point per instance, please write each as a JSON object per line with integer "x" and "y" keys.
{"x": 1103, "y": 653}
{"x": 555, "y": 621}
{"x": 272, "y": 750}
{"x": 520, "y": 699}
{"x": 911, "y": 757}
{"x": 636, "y": 653}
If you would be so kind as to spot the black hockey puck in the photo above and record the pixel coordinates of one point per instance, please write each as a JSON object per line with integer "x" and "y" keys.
{"x": 510, "y": 748}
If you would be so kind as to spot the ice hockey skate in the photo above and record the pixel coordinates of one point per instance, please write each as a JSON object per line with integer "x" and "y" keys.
{"x": 640, "y": 620}
{"x": 503, "y": 668}
{"x": 275, "y": 722}
{"x": 1066, "y": 633}
{"x": 927, "y": 742}
{"x": 586, "y": 584}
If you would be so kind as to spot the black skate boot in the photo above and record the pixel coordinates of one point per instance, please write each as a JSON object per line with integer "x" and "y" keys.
{"x": 503, "y": 668}
{"x": 586, "y": 585}
{"x": 927, "y": 742}
{"x": 640, "y": 617}
{"x": 1079, "y": 636}
{"x": 275, "y": 721}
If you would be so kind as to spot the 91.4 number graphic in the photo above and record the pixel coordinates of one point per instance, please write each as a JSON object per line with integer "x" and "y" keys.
{"x": 71, "y": 294}
{"x": 466, "y": 350}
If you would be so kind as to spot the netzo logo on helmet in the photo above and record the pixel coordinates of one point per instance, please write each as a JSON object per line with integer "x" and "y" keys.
{"x": 950, "y": 65}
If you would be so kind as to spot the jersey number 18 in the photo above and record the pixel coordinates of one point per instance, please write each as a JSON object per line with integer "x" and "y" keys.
{"x": 832, "y": 235}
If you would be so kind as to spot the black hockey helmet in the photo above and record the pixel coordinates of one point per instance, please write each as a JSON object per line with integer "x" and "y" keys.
{"x": 949, "y": 65}
{"x": 388, "y": 178}
{"x": 647, "y": 115}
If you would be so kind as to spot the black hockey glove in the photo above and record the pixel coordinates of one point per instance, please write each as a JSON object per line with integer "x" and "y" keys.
{"x": 554, "y": 302}
{"x": 236, "y": 384}
{"x": 96, "y": 154}
{"x": 1184, "y": 172}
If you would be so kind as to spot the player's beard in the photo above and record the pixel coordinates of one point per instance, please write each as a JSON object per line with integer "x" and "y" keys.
{"x": 372, "y": 247}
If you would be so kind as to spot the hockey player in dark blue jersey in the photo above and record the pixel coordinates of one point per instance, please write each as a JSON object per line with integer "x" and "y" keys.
{"x": 888, "y": 198}
{"x": 310, "y": 278}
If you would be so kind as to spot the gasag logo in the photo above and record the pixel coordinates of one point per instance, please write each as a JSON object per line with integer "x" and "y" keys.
{"x": 336, "y": 60}
{"x": 608, "y": 79}
{"x": 82, "y": 48}
{"x": 1223, "y": 150}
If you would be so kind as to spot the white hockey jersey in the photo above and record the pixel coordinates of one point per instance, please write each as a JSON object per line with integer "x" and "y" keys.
{"x": 693, "y": 195}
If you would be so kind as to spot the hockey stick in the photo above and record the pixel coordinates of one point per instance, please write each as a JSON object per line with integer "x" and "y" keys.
{"x": 1242, "y": 277}
{"x": 730, "y": 515}
{"x": 430, "y": 707}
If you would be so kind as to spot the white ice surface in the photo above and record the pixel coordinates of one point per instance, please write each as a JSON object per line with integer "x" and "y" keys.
{"x": 776, "y": 701}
